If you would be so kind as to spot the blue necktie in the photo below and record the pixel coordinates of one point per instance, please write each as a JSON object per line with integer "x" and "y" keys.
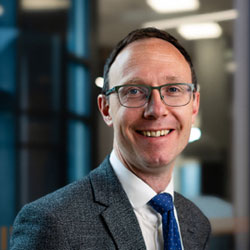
{"x": 163, "y": 204}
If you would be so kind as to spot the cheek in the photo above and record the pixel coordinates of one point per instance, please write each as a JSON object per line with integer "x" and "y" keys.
{"x": 124, "y": 122}
{"x": 188, "y": 128}
{"x": 120, "y": 120}
{"x": 185, "y": 119}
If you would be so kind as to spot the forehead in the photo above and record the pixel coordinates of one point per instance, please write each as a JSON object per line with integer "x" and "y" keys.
{"x": 153, "y": 46}
{"x": 149, "y": 56}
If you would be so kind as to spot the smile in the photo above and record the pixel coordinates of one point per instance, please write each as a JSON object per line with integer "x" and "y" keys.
{"x": 156, "y": 133}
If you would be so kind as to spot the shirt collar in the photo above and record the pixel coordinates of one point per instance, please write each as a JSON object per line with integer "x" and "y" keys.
{"x": 139, "y": 193}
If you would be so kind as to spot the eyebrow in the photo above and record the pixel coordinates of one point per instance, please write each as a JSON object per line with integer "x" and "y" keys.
{"x": 135, "y": 81}
{"x": 171, "y": 78}
{"x": 138, "y": 80}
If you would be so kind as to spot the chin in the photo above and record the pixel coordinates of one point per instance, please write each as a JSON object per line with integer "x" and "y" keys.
{"x": 157, "y": 162}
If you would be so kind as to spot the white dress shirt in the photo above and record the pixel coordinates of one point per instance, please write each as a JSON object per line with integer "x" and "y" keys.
{"x": 139, "y": 194}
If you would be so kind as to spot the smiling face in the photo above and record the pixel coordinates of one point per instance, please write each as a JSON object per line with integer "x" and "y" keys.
{"x": 148, "y": 139}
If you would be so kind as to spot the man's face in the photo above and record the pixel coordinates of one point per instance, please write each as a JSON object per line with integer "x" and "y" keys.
{"x": 152, "y": 62}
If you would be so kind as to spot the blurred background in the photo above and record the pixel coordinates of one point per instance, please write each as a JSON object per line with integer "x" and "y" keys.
{"x": 52, "y": 54}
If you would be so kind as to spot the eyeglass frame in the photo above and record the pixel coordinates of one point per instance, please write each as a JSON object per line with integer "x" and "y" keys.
{"x": 150, "y": 88}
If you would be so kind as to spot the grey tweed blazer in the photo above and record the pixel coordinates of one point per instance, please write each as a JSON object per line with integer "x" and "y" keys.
{"x": 95, "y": 213}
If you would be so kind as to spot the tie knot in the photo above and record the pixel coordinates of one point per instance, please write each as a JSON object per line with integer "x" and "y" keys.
{"x": 162, "y": 203}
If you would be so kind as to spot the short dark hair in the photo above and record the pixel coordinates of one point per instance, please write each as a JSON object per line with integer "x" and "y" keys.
{"x": 140, "y": 34}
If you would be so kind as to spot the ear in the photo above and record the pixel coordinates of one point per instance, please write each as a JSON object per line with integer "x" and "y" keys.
{"x": 103, "y": 106}
{"x": 196, "y": 105}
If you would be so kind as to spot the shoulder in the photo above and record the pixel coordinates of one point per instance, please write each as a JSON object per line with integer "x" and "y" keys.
{"x": 56, "y": 205}
{"x": 188, "y": 211}
{"x": 74, "y": 194}
{"x": 71, "y": 216}
{"x": 195, "y": 226}
{"x": 184, "y": 204}
{"x": 40, "y": 224}
{"x": 57, "y": 217}
{"x": 78, "y": 196}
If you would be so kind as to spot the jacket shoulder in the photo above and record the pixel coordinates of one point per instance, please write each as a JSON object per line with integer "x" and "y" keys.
{"x": 195, "y": 226}
{"x": 58, "y": 219}
{"x": 189, "y": 209}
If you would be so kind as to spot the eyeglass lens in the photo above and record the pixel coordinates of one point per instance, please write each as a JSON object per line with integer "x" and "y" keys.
{"x": 171, "y": 94}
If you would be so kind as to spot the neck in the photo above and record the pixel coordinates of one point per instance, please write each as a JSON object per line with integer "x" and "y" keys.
{"x": 158, "y": 179}
{"x": 158, "y": 182}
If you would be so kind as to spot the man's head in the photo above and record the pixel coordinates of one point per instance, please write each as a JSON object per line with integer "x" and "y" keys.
{"x": 143, "y": 34}
{"x": 151, "y": 123}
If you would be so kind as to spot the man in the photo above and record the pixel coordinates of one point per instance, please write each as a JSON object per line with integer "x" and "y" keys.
{"x": 150, "y": 99}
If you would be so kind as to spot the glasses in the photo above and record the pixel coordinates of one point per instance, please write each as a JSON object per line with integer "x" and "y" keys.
{"x": 135, "y": 96}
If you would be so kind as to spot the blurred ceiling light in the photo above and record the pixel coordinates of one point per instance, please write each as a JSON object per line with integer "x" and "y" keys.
{"x": 168, "y": 6}
{"x": 32, "y": 5}
{"x": 195, "y": 134}
{"x": 200, "y": 31}
{"x": 231, "y": 67}
{"x": 208, "y": 17}
{"x": 1, "y": 10}
{"x": 99, "y": 82}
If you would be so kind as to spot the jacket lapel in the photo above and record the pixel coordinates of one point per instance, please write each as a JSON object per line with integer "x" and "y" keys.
{"x": 189, "y": 231}
{"x": 118, "y": 215}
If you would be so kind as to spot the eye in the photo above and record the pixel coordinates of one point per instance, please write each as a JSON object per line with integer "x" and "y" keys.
{"x": 133, "y": 91}
{"x": 173, "y": 89}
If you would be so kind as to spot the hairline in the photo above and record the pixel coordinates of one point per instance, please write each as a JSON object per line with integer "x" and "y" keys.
{"x": 130, "y": 39}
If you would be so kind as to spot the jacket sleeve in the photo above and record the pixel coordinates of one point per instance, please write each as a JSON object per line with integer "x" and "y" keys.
{"x": 36, "y": 228}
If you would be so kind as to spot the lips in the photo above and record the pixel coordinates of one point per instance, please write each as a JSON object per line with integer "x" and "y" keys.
{"x": 155, "y": 133}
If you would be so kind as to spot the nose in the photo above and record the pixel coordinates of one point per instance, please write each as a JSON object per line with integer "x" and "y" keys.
{"x": 155, "y": 107}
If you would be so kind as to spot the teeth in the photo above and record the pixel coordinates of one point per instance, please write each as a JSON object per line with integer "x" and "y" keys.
{"x": 157, "y": 133}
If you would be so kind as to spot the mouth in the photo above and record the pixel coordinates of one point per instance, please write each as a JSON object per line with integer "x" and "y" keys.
{"x": 155, "y": 133}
